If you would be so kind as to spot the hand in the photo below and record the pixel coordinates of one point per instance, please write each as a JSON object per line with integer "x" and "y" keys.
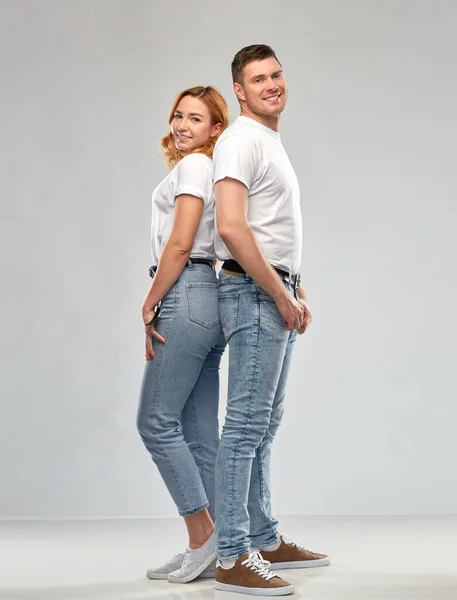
{"x": 307, "y": 317}
{"x": 150, "y": 333}
{"x": 291, "y": 310}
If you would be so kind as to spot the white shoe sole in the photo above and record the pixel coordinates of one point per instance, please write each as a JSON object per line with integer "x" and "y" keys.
{"x": 227, "y": 587}
{"x": 303, "y": 564}
{"x": 208, "y": 575}
{"x": 194, "y": 573}
{"x": 152, "y": 575}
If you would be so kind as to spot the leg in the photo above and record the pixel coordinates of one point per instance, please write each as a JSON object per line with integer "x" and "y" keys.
{"x": 200, "y": 421}
{"x": 258, "y": 343}
{"x": 163, "y": 397}
{"x": 264, "y": 527}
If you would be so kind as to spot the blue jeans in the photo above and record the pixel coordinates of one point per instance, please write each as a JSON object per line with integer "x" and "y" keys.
{"x": 260, "y": 355}
{"x": 177, "y": 414}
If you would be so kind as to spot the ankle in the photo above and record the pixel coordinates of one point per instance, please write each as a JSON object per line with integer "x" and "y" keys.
{"x": 198, "y": 540}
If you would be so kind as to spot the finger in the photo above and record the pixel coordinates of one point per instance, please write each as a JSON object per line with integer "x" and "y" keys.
{"x": 298, "y": 321}
{"x": 149, "y": 347}
{"x": 157, "y": 335}
{"x": 305, "y": 325}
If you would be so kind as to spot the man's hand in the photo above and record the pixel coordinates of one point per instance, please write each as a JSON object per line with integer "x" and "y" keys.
{"x": 307, "y": 317}
{"x": 292, "y": 311}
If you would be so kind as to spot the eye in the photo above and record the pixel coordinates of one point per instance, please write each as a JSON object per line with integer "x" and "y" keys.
{"x": 176, "y": 116}
{"x": 278, "y": 76}
{"x": 196, "y": 119}
{"x": 258, "y": 80}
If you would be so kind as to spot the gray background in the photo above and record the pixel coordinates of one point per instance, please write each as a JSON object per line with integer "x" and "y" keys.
{"x": 371, "y": 130}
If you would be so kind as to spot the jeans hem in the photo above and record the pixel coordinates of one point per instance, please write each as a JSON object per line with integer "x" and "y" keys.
{"x": 233, "y": 556}
{"x": 191, "y": 511}
{"x": 270, "y": 542}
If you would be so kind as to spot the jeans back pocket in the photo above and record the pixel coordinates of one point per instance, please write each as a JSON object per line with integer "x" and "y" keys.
{"x": 203, "y": 303}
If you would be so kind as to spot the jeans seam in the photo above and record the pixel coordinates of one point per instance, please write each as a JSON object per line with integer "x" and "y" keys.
{"x": 262, "y": 490}
{"x": 200, "y": 450}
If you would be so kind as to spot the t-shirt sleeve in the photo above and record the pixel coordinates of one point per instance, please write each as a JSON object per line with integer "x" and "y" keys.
{"x": 194, "y": 177}
{"x": 236, "y": 157}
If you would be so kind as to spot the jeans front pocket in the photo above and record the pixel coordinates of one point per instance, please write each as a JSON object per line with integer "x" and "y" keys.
{"x": 203, "y": 304}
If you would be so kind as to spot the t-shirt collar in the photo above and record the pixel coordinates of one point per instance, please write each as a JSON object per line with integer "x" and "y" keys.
{"x": 259, "y": 126}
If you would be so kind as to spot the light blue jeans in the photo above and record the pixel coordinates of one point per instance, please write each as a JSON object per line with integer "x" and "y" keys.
{"x": 260, "y": 351}
{"x": 177, "y": 414}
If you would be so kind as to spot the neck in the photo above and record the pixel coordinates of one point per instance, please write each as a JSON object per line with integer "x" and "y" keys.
{"x": 272, "y": 122}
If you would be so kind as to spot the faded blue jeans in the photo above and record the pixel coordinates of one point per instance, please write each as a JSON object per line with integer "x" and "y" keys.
{"x": 260, "y": 351}
{"x": 177, "y": 414}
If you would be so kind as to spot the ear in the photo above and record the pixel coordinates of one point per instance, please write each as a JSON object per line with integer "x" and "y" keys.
{"x": 215, "y": 131}
{"x": 239, "y": 91}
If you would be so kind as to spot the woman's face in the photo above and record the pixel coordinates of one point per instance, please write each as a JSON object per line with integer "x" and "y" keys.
{"x": 191, "y": 125}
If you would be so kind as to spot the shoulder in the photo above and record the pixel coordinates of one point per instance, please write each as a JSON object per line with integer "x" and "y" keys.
{"x": 236, "y": 140}
{"x": 194, "y": 166}
{"x": 195, "y": 160}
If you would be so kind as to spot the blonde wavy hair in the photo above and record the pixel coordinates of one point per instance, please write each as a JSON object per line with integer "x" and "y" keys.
{"x": 218, "y": 110}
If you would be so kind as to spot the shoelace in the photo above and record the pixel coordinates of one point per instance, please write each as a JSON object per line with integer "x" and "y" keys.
{"x": 186, "y": 557}
{"x": 256, "y": 563}
{"x": 288, "y": 540}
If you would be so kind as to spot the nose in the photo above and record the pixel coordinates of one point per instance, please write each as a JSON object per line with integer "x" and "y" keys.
{"x": 272, "y": 85}
{"x": 183, "y": 125}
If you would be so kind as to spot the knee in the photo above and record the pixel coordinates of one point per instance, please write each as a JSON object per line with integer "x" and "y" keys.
{"x": 247, "y": 439}
{"x": 155, "y": 430}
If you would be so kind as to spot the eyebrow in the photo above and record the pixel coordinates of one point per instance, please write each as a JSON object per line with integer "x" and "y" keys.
{"x": 264, "y": 75}
{"x": 191, "y": 114}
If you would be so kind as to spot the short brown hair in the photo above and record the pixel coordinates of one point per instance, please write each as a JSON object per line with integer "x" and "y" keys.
{"x": 219, "y": 114}
{"x": 247, "y": 55}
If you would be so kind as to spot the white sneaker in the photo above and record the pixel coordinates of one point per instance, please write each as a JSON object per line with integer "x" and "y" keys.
{"x": 195, "y": 562}
{"x": 164, "y": 570}
{"x": 175, "y": 563}
{"x": 209, "y": 572}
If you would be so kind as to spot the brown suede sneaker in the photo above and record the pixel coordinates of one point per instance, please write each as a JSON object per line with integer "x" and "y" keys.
{"x": 250, "y": 575}
{"x": 292, "y": 555}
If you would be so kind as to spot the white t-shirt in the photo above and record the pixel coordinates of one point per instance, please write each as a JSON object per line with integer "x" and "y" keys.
{"x": 253, "y": 154}
{"x": 192, "y": 175}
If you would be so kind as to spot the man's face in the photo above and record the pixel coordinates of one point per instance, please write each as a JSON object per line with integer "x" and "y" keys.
{"x": 264, "y": 89}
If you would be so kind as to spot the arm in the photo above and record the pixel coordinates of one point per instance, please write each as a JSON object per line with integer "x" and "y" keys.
{"x": 187, "y": 215}
{"x": 234, "y": 229}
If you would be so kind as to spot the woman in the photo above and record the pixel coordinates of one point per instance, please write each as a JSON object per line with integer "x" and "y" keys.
{"x": 177, "y": 415}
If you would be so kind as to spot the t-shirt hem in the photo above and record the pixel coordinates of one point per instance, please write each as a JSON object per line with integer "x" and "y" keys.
{"x": 231, "y": 176}
{"x": 192, "y": 191}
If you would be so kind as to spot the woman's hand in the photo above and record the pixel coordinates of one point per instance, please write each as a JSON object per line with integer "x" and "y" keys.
{"x": 151, "y": 332}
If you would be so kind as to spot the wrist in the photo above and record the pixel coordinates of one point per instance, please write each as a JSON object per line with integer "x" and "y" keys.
{"x": 280, "y": 295}
{"x": 301, "y": 293}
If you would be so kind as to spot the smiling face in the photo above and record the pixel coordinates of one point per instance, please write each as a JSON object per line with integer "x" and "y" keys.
{"x": 263, "y": 93}
{"x": 191, "y": 125}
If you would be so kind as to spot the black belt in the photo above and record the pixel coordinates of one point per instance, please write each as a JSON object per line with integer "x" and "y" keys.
{"x": 194, "y": 261}
{"x": 232, "y": 265}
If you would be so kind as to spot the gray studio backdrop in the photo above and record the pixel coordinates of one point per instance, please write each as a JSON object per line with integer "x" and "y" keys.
{"x": 371, "y": 130}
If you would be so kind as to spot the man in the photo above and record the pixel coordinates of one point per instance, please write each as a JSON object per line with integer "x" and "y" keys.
{"x": 262, "y": 307}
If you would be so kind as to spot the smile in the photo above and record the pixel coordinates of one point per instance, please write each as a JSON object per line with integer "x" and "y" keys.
{"x": 183, "y": 137}
{"x": 272, "y": 98}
